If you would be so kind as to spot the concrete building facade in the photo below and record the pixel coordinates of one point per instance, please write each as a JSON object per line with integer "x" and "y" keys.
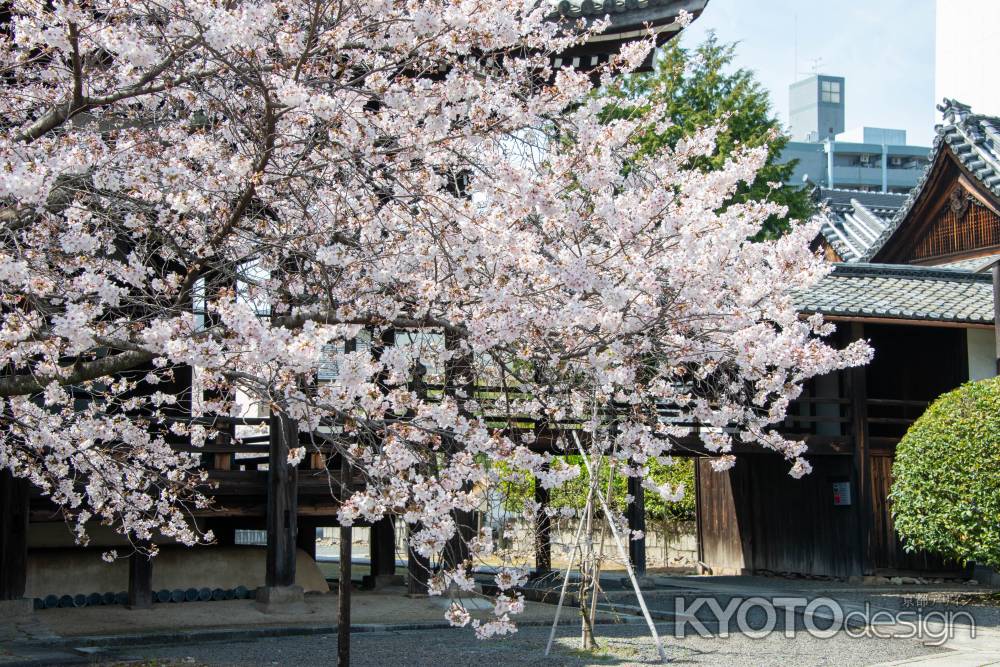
{"x": 816, "y": 108}
{"x": 867, "y": 159}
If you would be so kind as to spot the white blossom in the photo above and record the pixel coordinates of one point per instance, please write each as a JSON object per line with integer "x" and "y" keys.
{"x": 246, "y": 189}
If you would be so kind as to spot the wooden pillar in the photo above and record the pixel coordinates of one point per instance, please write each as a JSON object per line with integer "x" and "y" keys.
{"x": 224, "y": 460}
{"x": 459, "y": 384}
{"x": 13, "y": 536}
{"x": 140, "y": 581}
{"x": 996, "y": 314}
{"x": 383, "y": 547}
{"x": 543, "y": 532}
{"x": 282, "y": 503}
{"x": 858, "y": 387}
{"x": 637, "y": 521}
{"x": 417, "y": 569}
{"x": 344, "y": 582}
{"x": 346, "y": 558}
{"x": 382, "y": 535}
{"x": 699, "y": 526}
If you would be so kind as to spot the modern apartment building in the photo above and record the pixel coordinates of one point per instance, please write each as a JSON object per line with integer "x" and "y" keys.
{"x": 868, "y": 159}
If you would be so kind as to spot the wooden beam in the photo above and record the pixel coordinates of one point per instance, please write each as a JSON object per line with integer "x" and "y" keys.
{"x": 14, "y": 513}
{"x": 282, "y": 501}
{"x": 931, "y": 262}
{"x": 906, "y": 322}
{"x": 818, "y": 445}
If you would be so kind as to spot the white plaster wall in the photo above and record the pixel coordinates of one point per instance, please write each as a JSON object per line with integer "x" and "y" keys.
{"x": 78, "y": 571}
{"x": 982, "y": 359}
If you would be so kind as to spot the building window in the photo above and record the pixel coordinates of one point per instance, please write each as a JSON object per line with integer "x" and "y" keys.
{"x": 830, "y": 92}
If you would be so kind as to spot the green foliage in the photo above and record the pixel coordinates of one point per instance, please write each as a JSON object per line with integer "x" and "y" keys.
{"x": 946, "y": 489}
{"x": 700, "y": 88}
{"x": 573, "y": 494}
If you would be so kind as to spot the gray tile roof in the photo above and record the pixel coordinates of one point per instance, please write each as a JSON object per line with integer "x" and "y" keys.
{"x": 893, "y": 291}
{"x": 854, "y": 219}
{"x": 885, "y": 203}
{"x": 974, "y": 140}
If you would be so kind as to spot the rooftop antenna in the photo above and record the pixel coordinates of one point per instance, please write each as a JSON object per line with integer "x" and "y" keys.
{"x": 816, "y": 65}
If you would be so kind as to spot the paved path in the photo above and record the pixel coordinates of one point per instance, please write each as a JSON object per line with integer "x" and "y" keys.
{"x": 233, "y": 633}
{"x": 621, "y": 646}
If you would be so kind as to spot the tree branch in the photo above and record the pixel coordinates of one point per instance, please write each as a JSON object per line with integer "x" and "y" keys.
{"x": 25, "y": 385}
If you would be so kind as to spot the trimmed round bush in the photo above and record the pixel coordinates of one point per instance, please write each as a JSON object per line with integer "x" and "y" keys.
{"x": 946, "y": 477}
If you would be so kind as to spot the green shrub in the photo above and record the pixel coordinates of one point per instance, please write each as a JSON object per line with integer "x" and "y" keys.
{"x": 946, "y": 489}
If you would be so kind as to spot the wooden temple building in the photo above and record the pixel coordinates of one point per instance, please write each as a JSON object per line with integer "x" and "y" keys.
{"x": 912, "y": 276}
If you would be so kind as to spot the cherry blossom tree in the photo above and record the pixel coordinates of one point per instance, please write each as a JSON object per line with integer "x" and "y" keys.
{"x": 235, "y": 187}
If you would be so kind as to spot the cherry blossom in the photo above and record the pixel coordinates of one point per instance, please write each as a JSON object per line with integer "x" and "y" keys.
{"x": 200, "y": 200}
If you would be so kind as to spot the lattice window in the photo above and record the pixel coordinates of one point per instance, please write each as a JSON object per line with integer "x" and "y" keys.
{"x": 963, "y": 225}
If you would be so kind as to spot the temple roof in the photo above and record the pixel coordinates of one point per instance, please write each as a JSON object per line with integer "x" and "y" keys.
{"x": 973, "y": 140}
{"x": 901, "y": 292}
{"x": 854, "y": 219}
{"x": 630, "y": 19}
{"x": 628, "y": 14}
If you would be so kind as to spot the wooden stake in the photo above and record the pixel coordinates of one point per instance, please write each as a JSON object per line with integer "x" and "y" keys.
{"x": 624, "y": 555}
{"x": 565, "y": 583}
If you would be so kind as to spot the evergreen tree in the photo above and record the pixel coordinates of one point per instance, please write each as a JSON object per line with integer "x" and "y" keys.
{"x": 699, "y": 87}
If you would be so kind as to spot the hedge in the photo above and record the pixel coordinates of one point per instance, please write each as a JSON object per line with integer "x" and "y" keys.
{"x": 946, "y": 477}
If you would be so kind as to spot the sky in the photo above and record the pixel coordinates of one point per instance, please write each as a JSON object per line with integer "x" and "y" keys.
{"x": 884, "y": 49}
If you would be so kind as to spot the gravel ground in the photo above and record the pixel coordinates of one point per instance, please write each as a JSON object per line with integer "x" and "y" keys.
{"x": 620, "y": 646}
